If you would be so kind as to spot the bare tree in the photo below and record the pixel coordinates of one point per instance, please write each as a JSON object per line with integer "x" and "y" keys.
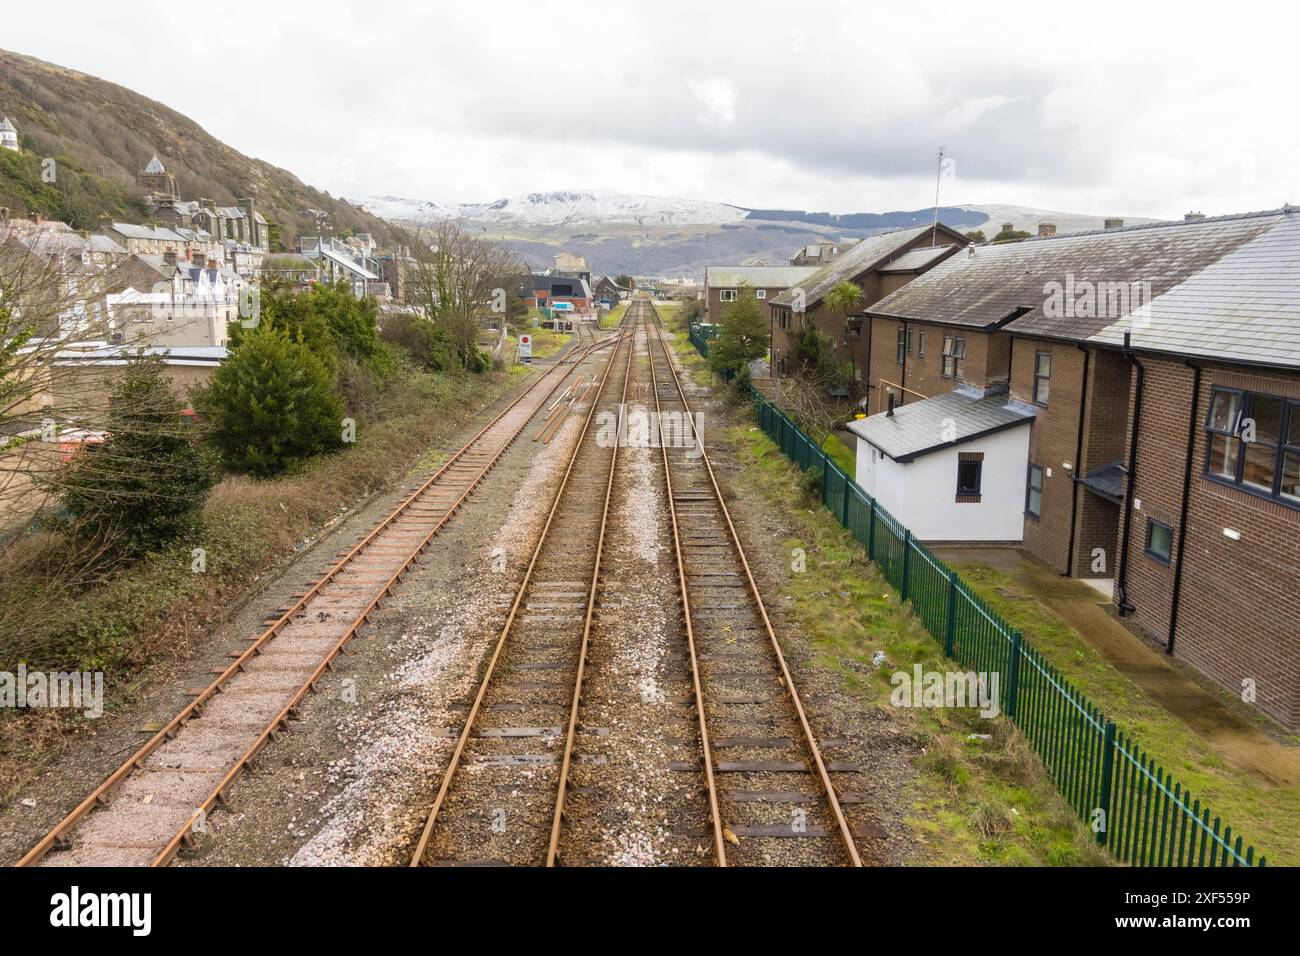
{"x": 60, "y": 347}
{"x": 460, "y": 281}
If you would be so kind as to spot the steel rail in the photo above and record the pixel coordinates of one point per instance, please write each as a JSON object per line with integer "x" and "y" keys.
{"x": 462, "y": 740}
{"x": 101, "y": 793}
{"x": 715, "y": 812}
{"x": 846, "y": 834}
{"x": 553, "y": 847}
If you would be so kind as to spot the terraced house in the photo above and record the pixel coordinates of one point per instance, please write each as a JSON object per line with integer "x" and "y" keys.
{"x": 1156, "y": 372}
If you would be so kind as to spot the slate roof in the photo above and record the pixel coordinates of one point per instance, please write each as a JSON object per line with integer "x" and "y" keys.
{"x": 918, "y": 428}
{"x": 1107, "y": 481}
{"x": 756, "y": 277}
{"x": 132, "y": 231}
{"x": 857, "y": 259}
{"x": 914, "y": 259}
{"x": 1225, "y": 288}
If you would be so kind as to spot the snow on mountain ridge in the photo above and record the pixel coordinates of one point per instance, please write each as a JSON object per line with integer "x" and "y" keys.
{"x": 560, "y": 207}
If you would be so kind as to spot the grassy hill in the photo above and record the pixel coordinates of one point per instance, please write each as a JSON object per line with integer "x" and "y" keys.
{"x": 100, "y": 134}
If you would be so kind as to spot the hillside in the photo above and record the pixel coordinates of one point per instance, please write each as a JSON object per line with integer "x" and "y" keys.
{"x": 101, "y": 134}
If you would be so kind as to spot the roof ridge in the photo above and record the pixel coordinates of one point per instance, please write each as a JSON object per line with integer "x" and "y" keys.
{"x": 1164, "y": 224}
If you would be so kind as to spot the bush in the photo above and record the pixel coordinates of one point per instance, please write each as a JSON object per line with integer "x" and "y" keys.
{"x": 429, "y": 346}
{"x": 272, "y": 405}
{"x": 145, "y": 485}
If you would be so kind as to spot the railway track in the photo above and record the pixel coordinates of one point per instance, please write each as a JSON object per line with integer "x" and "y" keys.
{"x": 501, "y": 797}
{"x": 160, "y": 797}
{"x": 781, "y": 800}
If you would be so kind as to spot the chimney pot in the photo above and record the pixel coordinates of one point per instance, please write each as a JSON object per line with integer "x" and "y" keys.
{"x": 890, "y": 412}
{"x": 1114, "y": 223}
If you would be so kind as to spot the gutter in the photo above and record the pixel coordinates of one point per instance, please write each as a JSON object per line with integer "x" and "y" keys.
{"x": 1126, "y": 606}
{"x": 1192, "y": 419}
{"x": 1078, "y": 457}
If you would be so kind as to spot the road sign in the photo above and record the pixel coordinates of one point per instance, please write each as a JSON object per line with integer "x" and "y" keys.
{"x": 525, "y": 348}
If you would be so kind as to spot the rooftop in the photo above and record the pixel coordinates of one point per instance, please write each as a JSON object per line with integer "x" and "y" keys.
{"x": 862, "y": 256}
{"x": 1224, "y": 288}
{"x": 756, "y": 277}
{"x": 932, "y": 424}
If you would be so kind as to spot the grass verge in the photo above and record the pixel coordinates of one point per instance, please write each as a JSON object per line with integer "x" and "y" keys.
{"x": 1264, "y": 815}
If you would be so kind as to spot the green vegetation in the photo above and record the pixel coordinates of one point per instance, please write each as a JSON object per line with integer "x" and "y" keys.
{"x": 841, "y": 453}
{"x": 75, "y": 196}
{"x": 977, "y": 235}
{"x": 1264, "y": 814}
{"x": 144, "y": 487}
{"x": 272, "y": 406}
{"x": 1010, "y": 235}
{"x": 742, "y": 337}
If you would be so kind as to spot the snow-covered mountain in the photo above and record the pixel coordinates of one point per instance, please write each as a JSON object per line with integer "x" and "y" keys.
{"x": 563, "y": 207}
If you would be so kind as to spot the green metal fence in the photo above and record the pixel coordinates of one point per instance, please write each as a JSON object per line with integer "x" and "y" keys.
{"x": 1139, "y": 812}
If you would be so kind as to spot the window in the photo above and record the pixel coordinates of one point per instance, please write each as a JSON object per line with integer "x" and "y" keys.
{"x": 920, "y": 343}
{"x": 760, "y": 293}
{"x": 902, "y": 345}
{"x": 1042, "y": 377}
{"x": 727, "y": 295}
{"x": 911, "y": 341}
{"x": 1160, "y": 541}
{"x": 1034, "y": 492}
{"x": 970, "y": 468}
{"x": 954, "y": 357}
{"x": 1254, "y": 442}
{"x": 783, "y": 319}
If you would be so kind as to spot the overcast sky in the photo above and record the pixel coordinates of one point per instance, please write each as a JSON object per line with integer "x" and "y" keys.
{"x": 828, "y": 105}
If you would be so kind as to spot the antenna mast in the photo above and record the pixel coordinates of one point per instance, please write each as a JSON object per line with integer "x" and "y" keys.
{"x": 938, "y": 178}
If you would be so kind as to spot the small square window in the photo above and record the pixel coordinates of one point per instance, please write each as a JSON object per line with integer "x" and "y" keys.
{"x": 760, "y": 293}
{"x": 1160, "y": 541}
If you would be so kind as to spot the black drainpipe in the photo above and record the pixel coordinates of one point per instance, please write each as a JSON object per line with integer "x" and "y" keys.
{"x": 902, "y": 379}
{"x": 1182, "y": 513}
{"x": 1078, "y": 456}
{"x": 1125, "y": 606}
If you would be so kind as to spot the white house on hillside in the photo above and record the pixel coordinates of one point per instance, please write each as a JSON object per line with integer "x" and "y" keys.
{"x": 952, "y": 467}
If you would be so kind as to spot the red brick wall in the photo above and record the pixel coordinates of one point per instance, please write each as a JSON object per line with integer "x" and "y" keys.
{"x": 1239, "y": 618}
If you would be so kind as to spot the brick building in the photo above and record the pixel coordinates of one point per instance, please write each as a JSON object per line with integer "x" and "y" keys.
{"x": 878, "y": 265}
{"x": 1162, "y": 365}
{"x": 723, "y": 283}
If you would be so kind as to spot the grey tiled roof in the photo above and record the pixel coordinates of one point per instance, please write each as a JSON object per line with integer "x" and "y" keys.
{"x": 756, "y": 277}
{"x": 1226, "y": 288}
{"x": 132, "y": 231}
{"x": 857, "y": 259}
{"x": 918, "y": 428}
{"x": 914, "y": 259}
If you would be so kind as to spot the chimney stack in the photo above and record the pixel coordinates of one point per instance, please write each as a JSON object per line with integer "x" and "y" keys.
{"x": 1114, "y": 223}
{"x": 169, "y": 257}
{"x": 1046, "y": 229}
{"x": 1193, "y": 216}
